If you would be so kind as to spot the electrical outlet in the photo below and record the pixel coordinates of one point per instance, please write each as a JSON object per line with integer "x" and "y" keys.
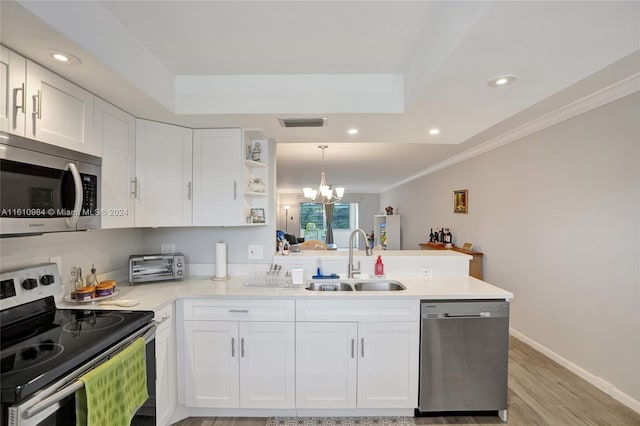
{"x": 167, "y": 248}
{"x": 58, "y": 261}
{"x": 255, "y": 252}
{"x": 425, "y": 272}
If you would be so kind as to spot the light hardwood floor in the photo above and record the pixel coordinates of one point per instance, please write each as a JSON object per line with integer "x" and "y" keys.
{"x": 541, "y": 392}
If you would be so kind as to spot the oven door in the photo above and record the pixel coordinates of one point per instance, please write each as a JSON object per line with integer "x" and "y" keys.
{"x": 55, "y": 405}
{"x": 41, "y": 192}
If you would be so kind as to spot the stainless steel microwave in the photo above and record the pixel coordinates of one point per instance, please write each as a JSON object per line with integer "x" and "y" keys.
{"x": 45, "y": 188}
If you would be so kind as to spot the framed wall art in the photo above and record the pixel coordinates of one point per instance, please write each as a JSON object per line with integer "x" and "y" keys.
{"x": 461, "y": 201}
{"x": 257, "y": 216}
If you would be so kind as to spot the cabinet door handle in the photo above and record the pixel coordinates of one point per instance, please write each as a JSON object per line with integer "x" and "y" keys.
{"x": 241, "y": 311}
{"x": 37, "y": 105}
{"x": 233, "y": 347}
{"x": 353, "y": 348}
{"x": 362, "y": 347}
{"x": 235, "y": 190}
{"x": 17, "y": 107}
{"x": 242, "y": 347}
{"x": 134, "y": 187}
{"x": 189, "y": 191}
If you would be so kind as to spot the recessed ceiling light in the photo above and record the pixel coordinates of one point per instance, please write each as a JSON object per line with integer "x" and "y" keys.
{"x": 502, "y": 80}
{"x": 352, "y": 131}
{"x": 60, "y": 57}
{"x": 64, "y": 57}
{"x": 434, "y": 132}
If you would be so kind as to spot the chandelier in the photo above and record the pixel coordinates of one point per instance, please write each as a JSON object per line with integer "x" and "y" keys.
{"x": 325, "y": 194}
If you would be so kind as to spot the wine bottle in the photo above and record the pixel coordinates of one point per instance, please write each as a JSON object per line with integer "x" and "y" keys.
{"x": 431, "y": 236}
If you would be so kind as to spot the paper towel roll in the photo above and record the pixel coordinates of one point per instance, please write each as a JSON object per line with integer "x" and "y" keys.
{"x": 221, "y": 259}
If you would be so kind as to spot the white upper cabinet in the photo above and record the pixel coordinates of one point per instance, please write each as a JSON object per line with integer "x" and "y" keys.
{"x": 256, "y": 176}
{"x": 59, "y": 112}
{"x": 114, "y": 135}
{"x": 13, "y": 68}
{"x": 217, "y": 177}
{"x": 163, "y": 175}
{"x": 231, "y": 176}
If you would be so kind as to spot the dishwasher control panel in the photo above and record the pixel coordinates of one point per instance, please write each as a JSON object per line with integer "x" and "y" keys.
{"x": 431, "y": 309}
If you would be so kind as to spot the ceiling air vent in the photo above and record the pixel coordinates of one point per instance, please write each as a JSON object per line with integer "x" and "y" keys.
{"x": 303, "y": 122}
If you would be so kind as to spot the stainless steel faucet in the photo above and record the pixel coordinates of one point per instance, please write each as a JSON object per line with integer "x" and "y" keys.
{"x": 351, "y": 269}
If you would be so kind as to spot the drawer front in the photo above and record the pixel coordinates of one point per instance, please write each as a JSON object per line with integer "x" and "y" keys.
{"x": 358, "y": 310}
{"x": 238, "y": 310}
{"x": 164, "y": 317}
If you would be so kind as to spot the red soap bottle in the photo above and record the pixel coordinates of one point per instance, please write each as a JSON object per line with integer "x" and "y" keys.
{"x": 379, "y": 266}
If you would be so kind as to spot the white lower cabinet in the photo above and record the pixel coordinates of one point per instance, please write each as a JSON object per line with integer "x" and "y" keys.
{"x": 307, "y": 354}
{"x": 267, "y": 364}
{"x": 357, "y": 365}
{"x": 212, "y": 374}
{"x": 236, "y": 357}
{"x": 166, "y": 396}
{"x": 326, "y": 364}
{"x": 357, "y": 354}
{"x": 388, "y": 364}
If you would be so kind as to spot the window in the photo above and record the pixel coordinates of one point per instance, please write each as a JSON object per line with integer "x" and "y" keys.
{"x": 341, "y": 216}
{"x": 312, "y": 216}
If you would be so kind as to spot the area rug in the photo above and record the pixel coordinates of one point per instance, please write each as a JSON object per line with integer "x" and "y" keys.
{"x": 340, "y": 421}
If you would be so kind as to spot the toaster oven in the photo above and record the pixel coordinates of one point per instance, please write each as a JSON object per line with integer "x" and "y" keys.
{"x": 156, "y": 267}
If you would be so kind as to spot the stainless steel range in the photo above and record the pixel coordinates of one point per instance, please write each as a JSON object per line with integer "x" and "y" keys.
{"x": 44, "y": 350}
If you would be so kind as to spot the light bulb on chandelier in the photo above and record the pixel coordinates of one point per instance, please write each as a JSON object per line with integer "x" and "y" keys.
{"x": 328, "y": 194}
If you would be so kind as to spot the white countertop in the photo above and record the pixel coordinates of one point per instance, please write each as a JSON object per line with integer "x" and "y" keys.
{"x": 383, "y": 253}
{"x": 154, "y": 296}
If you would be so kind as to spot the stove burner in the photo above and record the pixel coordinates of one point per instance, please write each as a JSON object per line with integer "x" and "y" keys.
{"x": 93, "y": 322}
{"x": 28, "y": 356}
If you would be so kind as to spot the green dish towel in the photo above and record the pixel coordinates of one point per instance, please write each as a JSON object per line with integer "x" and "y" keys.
{"x": 114, "y": 390}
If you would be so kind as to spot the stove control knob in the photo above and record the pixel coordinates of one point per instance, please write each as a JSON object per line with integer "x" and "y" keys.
{"x": 47, "y": 279}
{"x": 179, "y": 272}
{"x": 29, "y": 283}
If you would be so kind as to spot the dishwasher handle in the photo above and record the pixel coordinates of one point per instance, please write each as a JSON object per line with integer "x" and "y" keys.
{"x": 478, "y": 315}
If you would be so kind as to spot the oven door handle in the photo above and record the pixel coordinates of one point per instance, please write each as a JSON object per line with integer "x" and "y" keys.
{"x": 61, "y": 391}
{"x": 77, "y": 182}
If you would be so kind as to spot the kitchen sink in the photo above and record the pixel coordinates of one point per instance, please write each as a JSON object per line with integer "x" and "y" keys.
{"x": 379, "y": 286}
{"x": 325, "y": 286}
{"x": 382, "y": 285}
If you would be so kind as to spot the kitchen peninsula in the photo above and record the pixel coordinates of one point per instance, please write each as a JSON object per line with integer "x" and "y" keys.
{"x": 242, "y": 350}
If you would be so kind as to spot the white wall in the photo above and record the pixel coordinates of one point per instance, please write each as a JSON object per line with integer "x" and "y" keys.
{"x": 108, "y": 249}
{"x": 557, "y": 215}
{"x": 199, "y": 244}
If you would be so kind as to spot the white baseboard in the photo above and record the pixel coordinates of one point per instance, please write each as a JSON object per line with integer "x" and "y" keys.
{"x": 598, "y": 382}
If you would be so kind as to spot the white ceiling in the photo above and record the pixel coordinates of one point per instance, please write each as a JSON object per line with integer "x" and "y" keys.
{"x": 392, "y": 69}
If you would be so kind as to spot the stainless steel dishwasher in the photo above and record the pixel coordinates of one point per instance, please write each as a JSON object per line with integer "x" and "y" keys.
{"x": 464, "y": 347}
